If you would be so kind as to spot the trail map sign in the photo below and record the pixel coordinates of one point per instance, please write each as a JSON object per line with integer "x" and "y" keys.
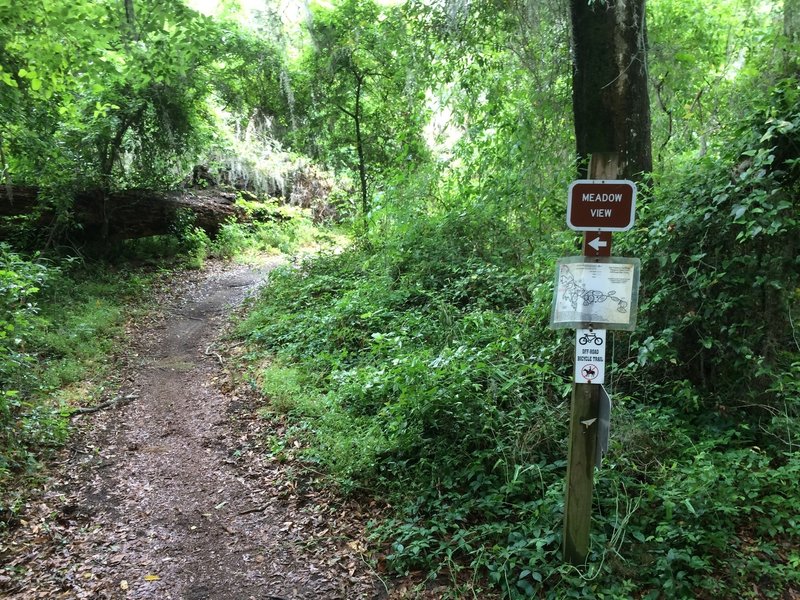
{"x": 594, "y": 205}
{"x": 590, "y": 356}
{"x": 596, "y": 293}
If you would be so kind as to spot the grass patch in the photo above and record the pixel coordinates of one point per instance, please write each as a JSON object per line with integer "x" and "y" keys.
{"x": 270, "y": 229}
{"x": 343, "y": 444}
{"x": 62, "y": 321}
{"x": 422, "y": 372}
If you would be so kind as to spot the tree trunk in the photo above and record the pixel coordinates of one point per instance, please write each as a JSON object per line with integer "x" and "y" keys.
{"x": 129, "y": 214}
{"x": 609, "y": 92}
{"x": 362, "y": 167}
{"x": 791, "y": 29}
{"x": 791, "y": 19}
{"x": 130, "y": 20}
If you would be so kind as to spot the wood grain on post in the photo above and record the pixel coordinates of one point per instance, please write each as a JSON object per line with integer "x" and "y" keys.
{"x": 580, "y": 472}
{"x": 582, "y": 448}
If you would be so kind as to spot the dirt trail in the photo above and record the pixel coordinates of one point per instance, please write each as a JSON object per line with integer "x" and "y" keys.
{"x": 158, "y": 502}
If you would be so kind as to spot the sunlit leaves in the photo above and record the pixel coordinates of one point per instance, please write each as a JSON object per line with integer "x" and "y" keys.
{"x": 362, "y": 84}
{"x": 704, "y": 60}
{"x": 88, "y": 95}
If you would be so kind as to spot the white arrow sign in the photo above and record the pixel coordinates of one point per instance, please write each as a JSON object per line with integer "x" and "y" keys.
{"x": 597, "y": 243}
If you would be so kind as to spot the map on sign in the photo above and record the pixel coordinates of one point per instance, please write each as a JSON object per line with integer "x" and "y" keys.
{"x": 596, "y": 293}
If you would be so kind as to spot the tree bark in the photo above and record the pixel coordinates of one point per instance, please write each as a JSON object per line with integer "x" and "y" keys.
{"x": 130, "y": 20}
{"x": 791, "y": 29}
{"x": 791, "y": 20}
{"x": 362, "y": 165}
{"x": 129, "y": 214}
{"x": 609, "y": 92}
{"x": 7, "y": 181}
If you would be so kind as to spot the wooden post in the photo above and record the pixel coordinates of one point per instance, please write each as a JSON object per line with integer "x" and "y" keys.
{"x": 582, "y": 448}
{"x": 580, "y": 472}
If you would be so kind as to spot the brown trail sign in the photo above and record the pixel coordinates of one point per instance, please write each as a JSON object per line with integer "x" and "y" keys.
{"x": 601, "y": 205}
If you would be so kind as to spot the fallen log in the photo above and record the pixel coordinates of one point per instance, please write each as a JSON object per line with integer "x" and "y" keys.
{"x": 127, "y": 214}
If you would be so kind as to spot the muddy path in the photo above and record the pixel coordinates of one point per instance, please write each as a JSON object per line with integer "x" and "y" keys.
{"x": 163, "y": 496}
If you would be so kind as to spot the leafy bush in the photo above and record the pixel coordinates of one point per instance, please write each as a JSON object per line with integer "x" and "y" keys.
{"x": 429, "y": 378}
{"x": 20, "y": 281}
{"x": 193, "y": 241}
{"x": 58, "y": 325}
{"x": 434, "y": 384}
{"x": 230, "y": 240}
{"x": 721, "y": 278}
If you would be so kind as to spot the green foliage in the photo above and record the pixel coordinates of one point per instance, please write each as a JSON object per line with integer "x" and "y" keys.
{"x": 417, "y": 365}
{"x": 700, "y": 504}
{"x": 59, "y": 323}
{"x": 429, "y": 375}
{"x": 193, "y": 242}
{"x": 20, "y": 281}
{"x": 721, "y": 254}
{"x": 272, "y": 228}
{"x": 116, "y": 104}
{"x": 705, "y": 65}
{"x": 433, "y": 384}
{"x": 502, "y": 89}
{"x": 420, "y": 369}
{"x": 359, "y": 83}
{"x": 231, "y": 240}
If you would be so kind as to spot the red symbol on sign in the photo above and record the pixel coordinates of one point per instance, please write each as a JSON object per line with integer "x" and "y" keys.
{"x": 594, "y": 205}
{"x": 589, "y": 372}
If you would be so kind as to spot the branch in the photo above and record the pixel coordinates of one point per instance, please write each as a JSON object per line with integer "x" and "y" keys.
{"x": 254, "y": 510}
{"x": 219, "y": 358}
{"x": 345, "y": 111}
{"x": 6, "y": 174}
{"x": 659, "y": 87}
{"x": 93, "y": 409}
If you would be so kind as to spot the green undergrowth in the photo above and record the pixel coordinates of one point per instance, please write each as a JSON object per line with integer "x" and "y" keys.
{"x": 60, "y": 323}
{"x": 270, "y": 228}
{"x": 62, "y": 318}
{"x": 420, "y": 370}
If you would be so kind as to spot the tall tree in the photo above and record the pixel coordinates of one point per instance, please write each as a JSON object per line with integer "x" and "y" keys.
{"x": 364, "y": 106}
{"x": 115, "y": 104}
{"x": 610, "y": 98}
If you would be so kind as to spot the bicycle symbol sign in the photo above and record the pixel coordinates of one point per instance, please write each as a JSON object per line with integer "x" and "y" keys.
{"x": 591, "y": 337}
{"x": 590, "y": 355}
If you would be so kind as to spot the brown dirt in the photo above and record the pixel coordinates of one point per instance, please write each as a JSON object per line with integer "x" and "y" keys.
{"x": 164, "y": 497}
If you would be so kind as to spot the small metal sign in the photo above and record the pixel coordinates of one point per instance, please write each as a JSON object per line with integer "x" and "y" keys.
{"x": 603, "y": 426}
{"x": 590, "y": 356}
{"x": 596, "y": 292}
{"x": 597, "y": 205}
